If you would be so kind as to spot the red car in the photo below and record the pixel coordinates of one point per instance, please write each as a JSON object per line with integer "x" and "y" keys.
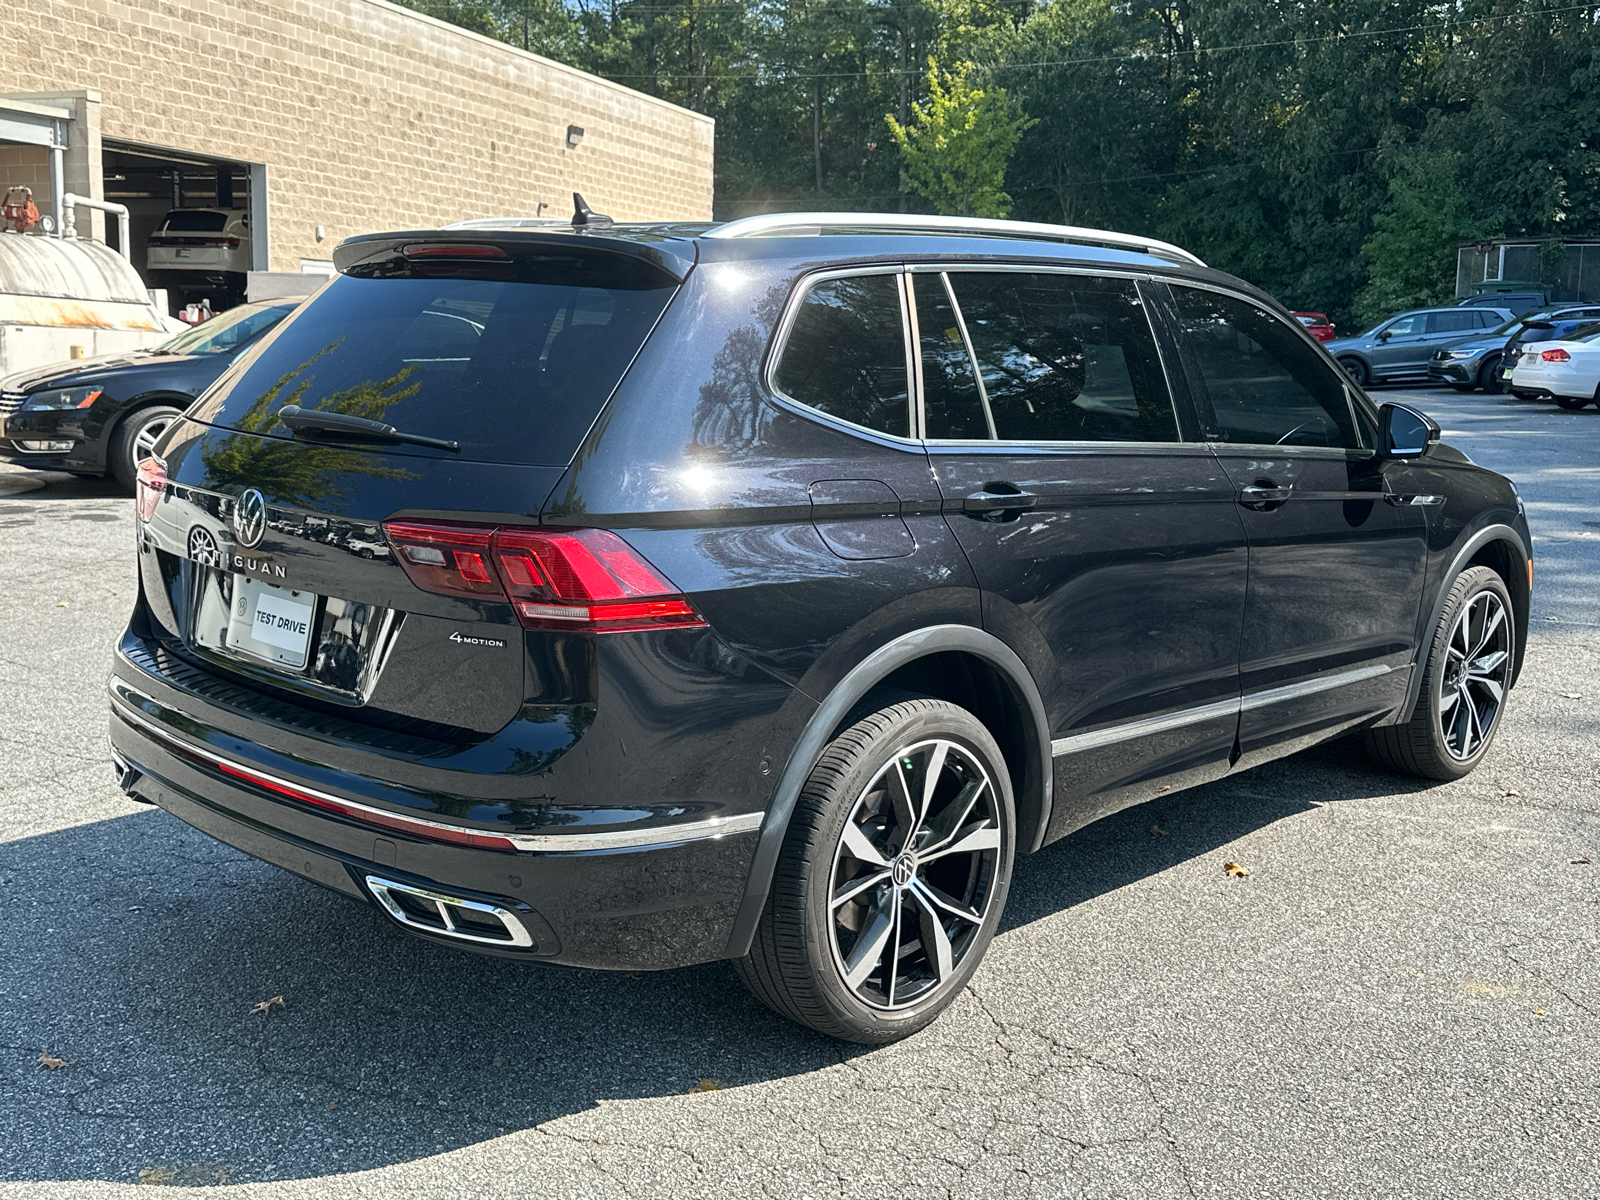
{"x": 1317, "y": 325}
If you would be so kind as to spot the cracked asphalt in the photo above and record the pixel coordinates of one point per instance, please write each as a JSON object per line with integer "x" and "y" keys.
{"x": 1400, "y": 1000}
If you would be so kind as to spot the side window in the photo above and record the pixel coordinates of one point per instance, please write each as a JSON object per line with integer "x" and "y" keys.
{"x": 1405, "y": 325}
{"x": 846, "y": 353}
{"x": 952, "y": 406}
{"x": 1458, "y": 321}
{"x": 1065, "y": 358}
{"x": 1487, "y": 319}
{"x": 1265, "y": 386}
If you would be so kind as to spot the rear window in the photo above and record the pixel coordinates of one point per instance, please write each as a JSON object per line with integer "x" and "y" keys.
{"x": 514, "y": 370}
{"x": 195, "y": 221}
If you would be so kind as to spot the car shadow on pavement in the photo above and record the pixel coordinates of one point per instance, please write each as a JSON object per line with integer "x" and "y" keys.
{"x": 220, "y": 1020}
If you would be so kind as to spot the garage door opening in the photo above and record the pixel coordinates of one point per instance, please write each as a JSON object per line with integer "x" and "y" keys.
{"x": 197, "y": 224}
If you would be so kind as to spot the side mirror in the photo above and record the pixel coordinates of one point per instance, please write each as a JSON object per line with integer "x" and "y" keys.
{"x": 1383, "y": 335}
{"x": 1405, "y": 432}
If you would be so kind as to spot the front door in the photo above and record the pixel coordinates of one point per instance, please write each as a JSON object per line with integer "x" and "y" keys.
{"x": 1400, "y": 345}
{"x": 1337, "y": 550}
{"x": 1109, "y": 549}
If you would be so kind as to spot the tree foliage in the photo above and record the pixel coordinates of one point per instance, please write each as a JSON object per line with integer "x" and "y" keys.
{"x": 956, "y": 151}
{"x": 1263, "y": 136}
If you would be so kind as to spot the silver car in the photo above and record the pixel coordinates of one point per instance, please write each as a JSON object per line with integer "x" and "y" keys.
{"x": 1400, "y": 347}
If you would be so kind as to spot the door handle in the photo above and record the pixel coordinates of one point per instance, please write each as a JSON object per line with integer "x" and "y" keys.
{"x": 1259, "y": 495}
{"x": 988, "y": 500}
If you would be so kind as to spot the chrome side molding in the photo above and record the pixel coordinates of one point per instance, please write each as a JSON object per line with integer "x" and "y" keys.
{"x": 1079, "y": 742}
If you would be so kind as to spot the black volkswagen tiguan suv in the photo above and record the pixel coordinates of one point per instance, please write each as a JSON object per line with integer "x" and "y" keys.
{"x": 637, "y": 596}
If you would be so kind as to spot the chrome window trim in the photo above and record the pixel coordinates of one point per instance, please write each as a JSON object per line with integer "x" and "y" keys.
{"x": 660, "y": 835}
{"x": 1093, "y": 740}
{"x": 780, "y": 343}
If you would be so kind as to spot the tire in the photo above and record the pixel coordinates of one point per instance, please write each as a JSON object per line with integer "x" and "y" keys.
{"x": 1489, "y": 375}
{"x": 1570, "y": 403}
{"x": 135, "y": 436}
{"x": 843, "y": 968}
{"x": 1458, "y": 709}
{"x": 1357, "y": 370}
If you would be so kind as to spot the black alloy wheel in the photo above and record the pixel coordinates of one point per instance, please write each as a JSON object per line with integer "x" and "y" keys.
{"x": 1357, "y": 370}
{"x": 136, "y": 437}
{"x": 893, "y": 875}
{"x": 1489, "y": 375}
{"x": 1464, "y": 684}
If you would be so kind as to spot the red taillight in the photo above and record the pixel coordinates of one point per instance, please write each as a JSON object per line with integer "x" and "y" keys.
{"x": 449, "y": 559}
{"x": 582, "y": 580}
{"x": 150, "y": 480}
{"x": 1555, "y": 356}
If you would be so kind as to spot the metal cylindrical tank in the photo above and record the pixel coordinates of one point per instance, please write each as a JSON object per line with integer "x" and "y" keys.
{"x": 56, "y": 294}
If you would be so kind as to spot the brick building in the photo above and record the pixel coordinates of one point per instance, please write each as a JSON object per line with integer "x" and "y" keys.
{"x": 323, "y": 119}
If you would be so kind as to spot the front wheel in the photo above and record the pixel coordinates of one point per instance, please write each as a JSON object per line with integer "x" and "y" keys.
{"x": 1464, "y": 684}
{"x": 1489, "y": 375}
{"x": 893, "y": 875}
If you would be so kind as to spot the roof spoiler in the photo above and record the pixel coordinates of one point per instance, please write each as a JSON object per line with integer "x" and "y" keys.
{"x": 372, "y": 253}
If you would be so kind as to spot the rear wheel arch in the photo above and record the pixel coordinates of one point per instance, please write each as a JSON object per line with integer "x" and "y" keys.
{"x": 960, "y": 663}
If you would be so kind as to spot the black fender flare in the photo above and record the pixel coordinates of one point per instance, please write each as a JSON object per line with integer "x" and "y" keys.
{"x": 1489, "y": 533}
{"x": 856, "y": 683}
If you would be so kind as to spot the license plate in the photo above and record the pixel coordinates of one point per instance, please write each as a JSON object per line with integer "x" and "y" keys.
{"x": 184, "y": 253}
{"x": 271, "y": 623}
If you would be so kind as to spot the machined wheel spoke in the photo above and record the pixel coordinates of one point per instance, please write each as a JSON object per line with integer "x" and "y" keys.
{"x": 933, "y": 932}
{"x": 897, "y": 930}
{"x": 1447, "y": 700}
{"x": 931, "y": 897}
{"x": 854, "y": 888}
{"x": 1492, "y": 686}
{"x": 858, "y": 845}
{"x": 875, "y": 935}
{"x": 970, "y": 841}
{"x": 1491, "y": 622}
{"x": 1486, "y": 664}
{"x": 905, "y": 809}
{"x": 953, "y": 816}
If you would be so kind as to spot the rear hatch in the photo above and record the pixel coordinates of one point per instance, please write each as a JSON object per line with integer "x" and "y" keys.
{"x": 361, "y": 571}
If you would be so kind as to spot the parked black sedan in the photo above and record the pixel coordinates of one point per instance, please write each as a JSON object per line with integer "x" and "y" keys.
{"x": 100, "y": 416}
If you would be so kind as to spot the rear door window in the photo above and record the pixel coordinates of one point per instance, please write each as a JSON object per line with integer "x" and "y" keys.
{"x": 1062, "y": 357}
{"x": 514, "y": 369}
{"x": 1263, "y": 384}
{"x": 846, "y": 353}
{"x": 1457, "y": 321}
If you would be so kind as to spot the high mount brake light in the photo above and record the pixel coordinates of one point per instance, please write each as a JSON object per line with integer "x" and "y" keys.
{"x": 1556, "y": 355}
{"x": 150, "y": 480}
{"x": 453, "y": 250}
{"x": 580, "y": 580}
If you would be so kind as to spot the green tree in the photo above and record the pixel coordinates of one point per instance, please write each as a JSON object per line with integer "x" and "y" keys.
{"x": 957, "y": 147}
{"x": 1412, "y": 248}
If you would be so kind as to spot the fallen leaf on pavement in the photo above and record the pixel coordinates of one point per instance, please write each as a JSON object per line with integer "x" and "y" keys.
{"x": 156, "y": 1176}
{"x": 1580, "y": 862}
{"x": 1538, "y": 1012}
{"x": 55, "y": 1064}
{"x": 61, "y": 604}
{"x": 268, "y": 1005}
{"x": 707, "y": 1085}
{"x": 1572, "y": 695}
{"x": 1156, "y": 831}
{"x": 1511, "y": 792}
{"x": 1235, "y": 870}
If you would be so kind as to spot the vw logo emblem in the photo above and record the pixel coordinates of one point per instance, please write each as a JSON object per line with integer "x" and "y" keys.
{"x": 250, "y": 517}
{"x": 903, "y": 868}
{"x": 203, "y": 547}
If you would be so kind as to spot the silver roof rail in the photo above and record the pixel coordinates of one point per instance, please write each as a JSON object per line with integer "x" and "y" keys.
{"x": 801, "y": 224}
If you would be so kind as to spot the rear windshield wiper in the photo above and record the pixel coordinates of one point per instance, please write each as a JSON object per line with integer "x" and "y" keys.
{"x": 354, "y": 429}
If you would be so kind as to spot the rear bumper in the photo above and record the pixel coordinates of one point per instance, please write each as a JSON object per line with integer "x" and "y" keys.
{"x": 638, "y": 907}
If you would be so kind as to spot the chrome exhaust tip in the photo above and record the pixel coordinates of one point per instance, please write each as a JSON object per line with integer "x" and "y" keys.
{"x": 449, "y": 916}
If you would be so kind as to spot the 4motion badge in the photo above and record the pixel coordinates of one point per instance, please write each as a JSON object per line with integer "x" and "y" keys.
{"x": 459, "y": 639}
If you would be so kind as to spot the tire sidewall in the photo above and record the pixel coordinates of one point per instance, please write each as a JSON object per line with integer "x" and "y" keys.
{"x": 1479, "y": 580}
{"x": 953, "y": 724}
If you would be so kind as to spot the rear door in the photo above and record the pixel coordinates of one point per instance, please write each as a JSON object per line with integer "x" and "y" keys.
{"x": 1107, "y": 544}
{"x": 1337, "y": 548}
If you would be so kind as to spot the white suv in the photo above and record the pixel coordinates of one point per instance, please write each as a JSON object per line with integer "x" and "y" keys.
{"x": 198, "y": 252}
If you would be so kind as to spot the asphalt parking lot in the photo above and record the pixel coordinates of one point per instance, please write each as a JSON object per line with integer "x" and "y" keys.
{"x": 1402, "y": 999}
